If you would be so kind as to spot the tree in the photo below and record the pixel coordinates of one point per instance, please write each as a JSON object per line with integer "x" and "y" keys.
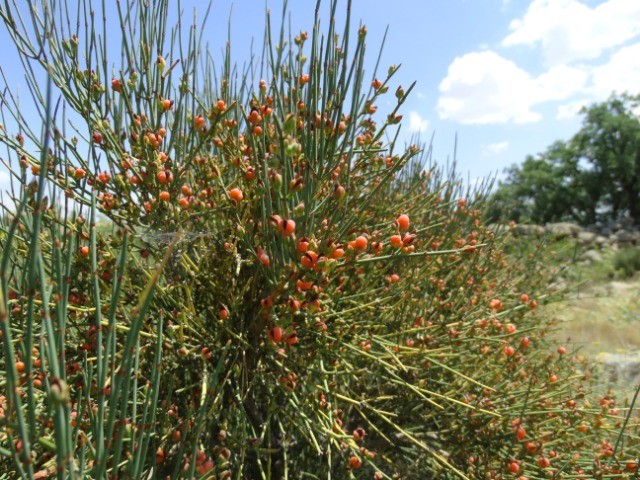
{"x": 609, "y": 141}
{"x": 594, "y": 175}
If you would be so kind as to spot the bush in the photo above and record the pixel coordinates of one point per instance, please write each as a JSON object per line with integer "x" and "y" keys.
{"x": 627, "y": 261}
{"x": 282, "y": 293}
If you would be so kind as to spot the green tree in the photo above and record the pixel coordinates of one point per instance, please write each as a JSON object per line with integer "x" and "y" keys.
{"x": 594, "y": 175}
{"x": 541, "y": 189}
{"x": 609, "y": 141}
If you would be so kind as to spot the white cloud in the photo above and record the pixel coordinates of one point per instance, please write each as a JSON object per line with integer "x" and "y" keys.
{"x": 494, "y": 148}
{"x": 571, "y": 110}
{"x": 569, "y": 30}
{"x": 620, "y": 73}
{"x": 417, "y": 123}
{"x": 486, "y": 88}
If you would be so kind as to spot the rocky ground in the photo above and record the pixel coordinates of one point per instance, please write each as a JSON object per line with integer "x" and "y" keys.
{"x": 600, "y": 317}
{"x": 602, "y": 321}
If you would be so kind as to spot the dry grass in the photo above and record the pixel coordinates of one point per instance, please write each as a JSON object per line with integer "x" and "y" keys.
{"x": 603, "y": 318}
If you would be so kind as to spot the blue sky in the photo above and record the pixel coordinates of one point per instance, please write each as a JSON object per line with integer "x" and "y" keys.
{"x": 506, "y": 77}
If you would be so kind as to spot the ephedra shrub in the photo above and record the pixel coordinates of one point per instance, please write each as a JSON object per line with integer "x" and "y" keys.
{"x": 207, "y": 274}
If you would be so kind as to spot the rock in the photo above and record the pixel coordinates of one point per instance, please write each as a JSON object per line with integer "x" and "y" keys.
{"x": 529, "y": 230}
{"x": 563, "y": 229}
{"x": 601, "y": 241}
{"x": 626, "y": 222}
{"x": 625, "y": 237}
{"x": 585, "y": 237}
{"x": 591, "y": 256}
{"x": 621, "y": 368}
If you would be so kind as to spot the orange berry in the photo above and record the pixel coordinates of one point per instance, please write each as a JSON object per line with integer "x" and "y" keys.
{"x": 224, "y": 313}
{"x": 198, "y": 121}
{"x": 396, "y": 241}
{"x": 275, "y": 334}
{"x": 337, "y": 253}
{"x": 543, "y": 462}
{"x": 104, "y": 177}
{"x": 360, "y": 243}
{"x": 20, "y": 366}
{"x": 403, "y": 222}
{"x": 521, "y": 433}
{"x": 553, "y": 378}
{"x": 393, "y": 278}
{"x": 302, "y": 285}
{"x": 376, "y": 84}
{"x": 79, "y": 173}
{"x": 355, "y": 462}
{"x": 164, "y": 196}
{"x": 286, "y": 227}
{"x": 514, "y": 466}
{"x": 508, "y": 351}
{"x": 263, "y": 257}
{"x": 221, "y": 106}
{"x": 97, "y": 137}
{"x": 309, "y": 259}
{"x": 84, "y": 251}
{"x": 303, "y": 245}
{"x": 524, "y": 298}
{"x": 116, "y": 85}
{"x": 526, "y": 341}
{"x": 167, "y": 104}
{"x": 562, "y": 350}
{"x": 236, "y": 194}
{"x": 163, "y": 177}
{"x": 408, "y": 239}
{"x": 184, "y": 202}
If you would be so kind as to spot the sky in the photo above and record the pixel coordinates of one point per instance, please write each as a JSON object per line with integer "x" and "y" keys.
{"x": 506, "y": 78}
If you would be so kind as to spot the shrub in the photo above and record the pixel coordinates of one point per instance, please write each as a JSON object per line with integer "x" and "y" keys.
{"x": 627, "y": 261}
{"x": 282, "y": 292}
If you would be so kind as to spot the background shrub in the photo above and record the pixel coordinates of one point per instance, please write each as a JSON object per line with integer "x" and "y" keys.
{"x": 627, "y": 261}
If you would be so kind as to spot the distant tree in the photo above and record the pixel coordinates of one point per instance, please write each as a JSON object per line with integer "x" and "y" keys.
{"x": 609, "y": 141}
{"x": 594, "y": 175}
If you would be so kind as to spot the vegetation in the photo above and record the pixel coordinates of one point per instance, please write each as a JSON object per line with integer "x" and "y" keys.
{"x": 593, "y": 176}
{"x": 627, "y": 261}
{"x": 284, "y": 292}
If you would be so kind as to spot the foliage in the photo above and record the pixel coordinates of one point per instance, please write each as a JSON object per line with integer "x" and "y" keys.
{"x": 593, "y": 176}
{"x": 283, "y": 293}
{"x": 627, "y": 261}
